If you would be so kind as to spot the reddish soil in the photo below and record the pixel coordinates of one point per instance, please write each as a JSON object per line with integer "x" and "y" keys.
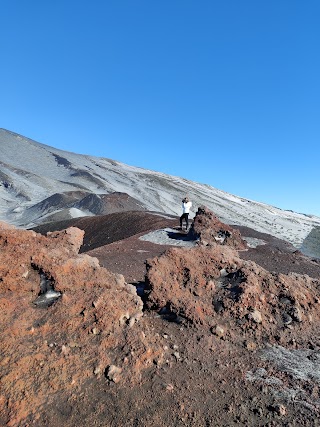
{"x": 184, "y": 363}
{"x": 128, "y": 256}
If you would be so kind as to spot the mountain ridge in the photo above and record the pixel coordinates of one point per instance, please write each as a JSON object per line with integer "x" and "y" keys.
{"x": 32, "y": 172}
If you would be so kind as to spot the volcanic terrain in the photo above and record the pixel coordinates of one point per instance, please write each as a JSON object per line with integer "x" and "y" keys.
{"x": 111, "y": 315}
{"x": 125, "y": 320}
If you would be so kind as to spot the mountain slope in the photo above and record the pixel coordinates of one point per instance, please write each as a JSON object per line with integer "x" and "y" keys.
{"x": 31, "y": 172}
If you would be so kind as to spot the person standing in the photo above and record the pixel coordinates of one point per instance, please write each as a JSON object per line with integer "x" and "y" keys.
{"x": 186, "y": 206}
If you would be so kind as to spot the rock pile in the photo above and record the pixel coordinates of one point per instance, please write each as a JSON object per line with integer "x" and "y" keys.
{"x": 213, "y": 287}
{"x": 208, "y": 229}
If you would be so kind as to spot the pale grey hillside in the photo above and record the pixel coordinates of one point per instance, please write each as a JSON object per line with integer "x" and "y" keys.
{"x": 39, "y": 183}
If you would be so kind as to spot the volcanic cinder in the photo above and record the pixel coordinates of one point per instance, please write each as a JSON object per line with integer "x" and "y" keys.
{"x": 218, "y": 336}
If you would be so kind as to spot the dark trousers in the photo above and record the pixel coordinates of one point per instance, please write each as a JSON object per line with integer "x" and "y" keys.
{"x": 185, "y": 217}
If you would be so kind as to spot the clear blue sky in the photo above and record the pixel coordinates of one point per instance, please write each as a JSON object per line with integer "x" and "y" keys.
{"x": 223, "y": 92}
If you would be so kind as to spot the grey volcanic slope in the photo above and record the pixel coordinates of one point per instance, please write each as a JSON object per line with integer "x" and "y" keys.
{"x": 32, "y": 172}
{"x": 109, "y": 203}
{"x": 61, "y": 206}
{"x": 311, "y": 244}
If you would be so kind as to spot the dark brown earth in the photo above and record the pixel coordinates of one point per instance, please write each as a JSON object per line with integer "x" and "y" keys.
{"x": 209, "y": 350}
{"x": 279, "y": 256}
{"x": 105, "y": 229}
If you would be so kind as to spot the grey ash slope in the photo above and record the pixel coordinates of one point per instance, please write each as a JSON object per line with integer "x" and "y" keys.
{"x": 39, "y": 183}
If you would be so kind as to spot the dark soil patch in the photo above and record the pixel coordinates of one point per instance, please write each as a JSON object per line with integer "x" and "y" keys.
{"x": 105, "y": 229}
{"x": 128, "y": 256}
{"x": 278, "y": 255}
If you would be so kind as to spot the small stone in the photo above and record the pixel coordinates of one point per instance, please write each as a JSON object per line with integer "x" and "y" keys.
{"x": 177, "y": 355}
{"x": 262, "y": 297}
{"x": 280, "y": 409}
{"x": 97, "y": 370}
{"x": 255, "y": 316}
{"x": 73, "y": 344}
{"x": 64, "y": 349}
{"x": 296, "y": 314}
{"x": 25, "y": 274}
{"x": 229, "y": 407}
{"x": 95, "y": 331}
{"x": 113, "y": 373}
{"x": 287, "y": 319}
{"x": 211, "y": 285}
{"x": 124, "y": 318}
{"x": 223, "y": 272}
{"x": 250, "y": 345}
{"x": 218, "y": 330}
{"x": 259, "y": 411}
{"x": 132, "y": 321}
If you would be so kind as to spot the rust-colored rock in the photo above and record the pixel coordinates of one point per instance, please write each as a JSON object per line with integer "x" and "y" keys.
{"x": 86, "y": 360}
{"x": 181, "y": 280}
{"x": 244, "y": 297}
{"x": 50, "y": 348}
{"x": 210, "y": 230}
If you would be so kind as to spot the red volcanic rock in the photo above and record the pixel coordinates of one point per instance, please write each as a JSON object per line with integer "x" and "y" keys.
{"x": 86, "y": 360}
{"x": 211, "y": 285}
{"x": 210, "y": 230}
{"x": 71, "y": 238}
{"x": 50, "y": 349}
{"x": 183, "y": 279}
{"x": 5, "y": 226}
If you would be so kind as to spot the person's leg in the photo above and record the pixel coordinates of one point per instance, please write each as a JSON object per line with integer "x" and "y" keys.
{"x": 183, "y": 217}
{"x": 187, "y": 221}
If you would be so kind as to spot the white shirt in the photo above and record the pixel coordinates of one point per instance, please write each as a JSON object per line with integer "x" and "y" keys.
{"x": 186, "y": 207}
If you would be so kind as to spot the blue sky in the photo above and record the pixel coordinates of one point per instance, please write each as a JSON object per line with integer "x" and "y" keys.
{"x": 225, "y": 93}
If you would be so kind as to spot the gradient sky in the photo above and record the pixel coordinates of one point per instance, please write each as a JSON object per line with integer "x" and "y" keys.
{"x": 222, "y": 92}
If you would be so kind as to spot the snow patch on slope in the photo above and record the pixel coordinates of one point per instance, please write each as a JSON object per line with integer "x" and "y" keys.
{"x": 34, "y": 171}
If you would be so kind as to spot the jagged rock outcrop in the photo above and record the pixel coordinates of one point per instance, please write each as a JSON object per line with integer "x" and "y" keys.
{"x": 209, "y": 230}
{"x": 63, "y": 321}
{"x": 211, "y": 286}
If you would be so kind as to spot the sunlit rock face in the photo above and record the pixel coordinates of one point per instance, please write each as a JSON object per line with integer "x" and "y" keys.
{"x": 58, "y": 345}
{"x": 210, "y": 286}
{"x": 210, "y": 230}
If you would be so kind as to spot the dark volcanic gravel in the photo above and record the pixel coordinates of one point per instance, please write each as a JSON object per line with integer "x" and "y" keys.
{"x": 278, "y": 256}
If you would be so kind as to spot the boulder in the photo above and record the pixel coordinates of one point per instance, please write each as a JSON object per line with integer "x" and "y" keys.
{"x": 210, "y": 285}
{"x": 209, "y": 230}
